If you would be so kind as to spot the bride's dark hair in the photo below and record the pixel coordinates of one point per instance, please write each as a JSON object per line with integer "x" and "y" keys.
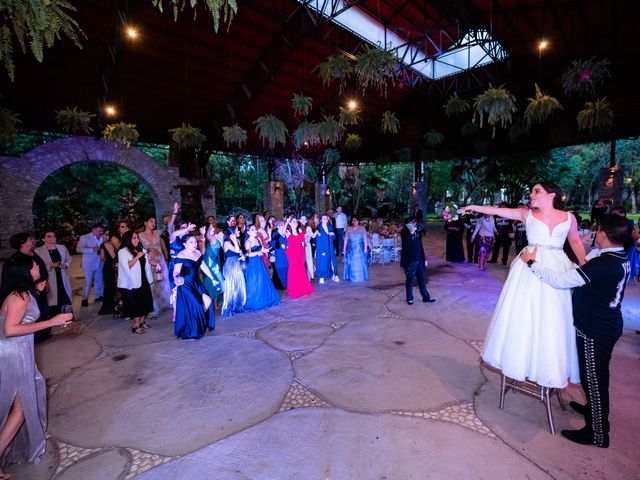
{"x": 558, "y": 200}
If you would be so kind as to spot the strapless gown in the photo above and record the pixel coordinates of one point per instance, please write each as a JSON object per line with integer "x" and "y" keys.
{"x": 260, "y": 290}
{"x": 531, "y": 335}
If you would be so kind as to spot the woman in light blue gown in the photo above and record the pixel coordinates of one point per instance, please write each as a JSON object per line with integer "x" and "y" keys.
{"x": 355, "y": 253}
{"x": 234, "y": 289}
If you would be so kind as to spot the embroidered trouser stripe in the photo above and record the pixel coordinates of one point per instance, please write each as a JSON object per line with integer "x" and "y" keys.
{"x": 594, "y": 355}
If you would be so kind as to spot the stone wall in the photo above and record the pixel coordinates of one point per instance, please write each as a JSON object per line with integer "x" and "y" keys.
{"x": 21, "y": 177}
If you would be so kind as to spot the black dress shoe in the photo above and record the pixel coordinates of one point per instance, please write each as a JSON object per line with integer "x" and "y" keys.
{"x": 85, "y": 303}
{"x": 99, "y": 299}
{"x": 428, "y": 300}
{"x": 585, "y": 436}
{"x": 409, "y": 302}
{"x": 578, "y": 407}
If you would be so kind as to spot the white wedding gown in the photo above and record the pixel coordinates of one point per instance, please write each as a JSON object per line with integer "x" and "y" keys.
{"x": 531, "y": 335}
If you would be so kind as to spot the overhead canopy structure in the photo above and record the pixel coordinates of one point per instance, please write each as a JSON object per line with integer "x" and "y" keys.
{"x": 183, "y": 71}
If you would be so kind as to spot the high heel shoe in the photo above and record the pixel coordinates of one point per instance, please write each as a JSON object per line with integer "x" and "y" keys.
{"x": 145, "y": 325}
{"x": 138, "y": 329}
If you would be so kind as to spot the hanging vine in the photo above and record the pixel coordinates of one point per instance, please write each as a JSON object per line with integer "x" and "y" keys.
{"x": 220, "y": 9}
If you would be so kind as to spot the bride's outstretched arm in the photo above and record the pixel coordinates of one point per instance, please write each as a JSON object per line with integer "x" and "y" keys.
{"x": 510, "y": 213}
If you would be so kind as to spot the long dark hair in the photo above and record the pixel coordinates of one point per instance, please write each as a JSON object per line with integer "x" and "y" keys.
{"x": 558, "y": 200}
{"x": 128, "y": 244}
{"x": 18, "y": 279}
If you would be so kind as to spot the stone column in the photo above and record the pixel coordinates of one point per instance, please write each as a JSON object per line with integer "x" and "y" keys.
{"x": 208, "y": 197}
{"x": 274, "y": 198}
{"x": 418, "y": 197}
{"x": 323, "y": 199}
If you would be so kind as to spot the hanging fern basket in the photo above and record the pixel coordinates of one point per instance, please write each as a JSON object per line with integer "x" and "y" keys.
{"x": 74, "y": 122}
{"x": 234, "y": 134}
{"x": 498, "y": 104}
{"x": 272, "y": 130}
{"x": 540, "y": 108}
{"x": 595, "y": 115}
{"x": 123, "y": 133}
{"x": 584, "y": 76}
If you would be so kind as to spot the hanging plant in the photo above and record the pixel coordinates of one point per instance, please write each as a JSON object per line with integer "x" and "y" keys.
{"x": 540, "y": 108}
{"x": 456, "y": 105}
{"x": 187, "y": 137}
{"x": 301, "y": 105}
{"x": 336, "y": 67}
{"x": 307, "y": 134}
{"x": 499, "y": 105}
{"x": 433, "y": 138}
{"x": 583, "y": 76}
{"x": 349, "y": 117}
{"x": 597, "y": 114}
{"x": 331, "y": 156}
{"x": 469, "y": 129}
{"x": 234, "y": 134}
{"x": 272, "y": 130}
{"x": 330, "y": 130}
{"x": 37, "y": 24}
{"x": 389, "y": 123}
{"x": 220, "y": 9}
{"x": 8, "y": 123}
{"x": 124, "y": 133}
{"x": 353, "y": 142}
{"x": 375, "y": 68}
{"x": 74, "y": 122}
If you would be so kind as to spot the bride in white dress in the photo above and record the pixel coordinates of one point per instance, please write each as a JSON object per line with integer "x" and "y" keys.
{"x": 531, "y": 335}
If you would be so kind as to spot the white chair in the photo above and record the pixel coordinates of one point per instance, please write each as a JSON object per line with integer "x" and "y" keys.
{"x": 376, "y": 250}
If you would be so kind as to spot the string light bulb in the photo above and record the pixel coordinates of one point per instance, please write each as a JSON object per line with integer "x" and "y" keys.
{"x": 110, "y": 110}
{"x": 352, "y": 105}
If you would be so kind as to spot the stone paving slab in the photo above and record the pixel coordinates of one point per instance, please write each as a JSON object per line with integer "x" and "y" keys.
{"x": 292, "y": 336}
{"x": 61, "y": 354}
{"x": 373, "y": 366}
{"x": 317, "y": 443}
{"x": 171, "y": 398}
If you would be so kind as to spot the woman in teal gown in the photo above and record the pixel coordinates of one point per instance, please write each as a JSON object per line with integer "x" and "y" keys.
{"x": 355, "y": 253}
{"x": 212, "y": 260}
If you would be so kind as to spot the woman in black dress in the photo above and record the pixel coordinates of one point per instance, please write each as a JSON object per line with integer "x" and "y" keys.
{"x": 109, "y": 257}
{"x": 455, "y": 230}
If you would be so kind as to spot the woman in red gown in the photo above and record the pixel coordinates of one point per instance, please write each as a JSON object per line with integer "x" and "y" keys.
{"x": 297, "y": 280}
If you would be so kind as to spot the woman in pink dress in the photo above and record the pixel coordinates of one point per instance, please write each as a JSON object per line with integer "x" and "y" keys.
{"x": 297, "y": 280}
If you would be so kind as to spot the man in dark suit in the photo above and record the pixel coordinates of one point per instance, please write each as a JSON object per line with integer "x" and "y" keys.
{"x": 413, "y": 260}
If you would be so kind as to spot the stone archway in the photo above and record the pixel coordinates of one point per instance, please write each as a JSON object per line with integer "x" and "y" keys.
{"x": 21, "y": 177}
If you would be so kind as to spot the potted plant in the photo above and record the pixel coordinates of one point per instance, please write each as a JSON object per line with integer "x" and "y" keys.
{"x": 301, "y": 105}
{"x": 271, "y": 129}
{"x": 433, "y": 138}
{"x": 540, "y": 107}
{"x": 389, "y": 123}
{"x": 349, "y": 117}
{"x": 375, "y": 68}
{"x": 498, "y": 103}
{"x": 234, "y": 134}
{"x": 597, "y": 114}
{"x": 330, "y": 130}
{"x": 8, "y": 123}
{"x": 74, "y": 122}
{"x": 307, "y": 134}
{"x": 455, "y": 105}
{"x": 336, "y": 67}
{"x": 353, "y": 142}
{"x": 124, "y": 133}
{"x": 468, "y": 129}
{"x": 186, "y": 137}
{"x": 583, "y": 76}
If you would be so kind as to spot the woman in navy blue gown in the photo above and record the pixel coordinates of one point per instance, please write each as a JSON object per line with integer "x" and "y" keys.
{"x": 194, "y": 308}
{"x": 326, "y": 263}
{"x": 281, "y": 265}
{"x": 260, "y": 291}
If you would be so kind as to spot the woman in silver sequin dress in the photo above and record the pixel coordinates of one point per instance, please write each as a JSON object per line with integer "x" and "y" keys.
{"x": 22, "y": 388}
